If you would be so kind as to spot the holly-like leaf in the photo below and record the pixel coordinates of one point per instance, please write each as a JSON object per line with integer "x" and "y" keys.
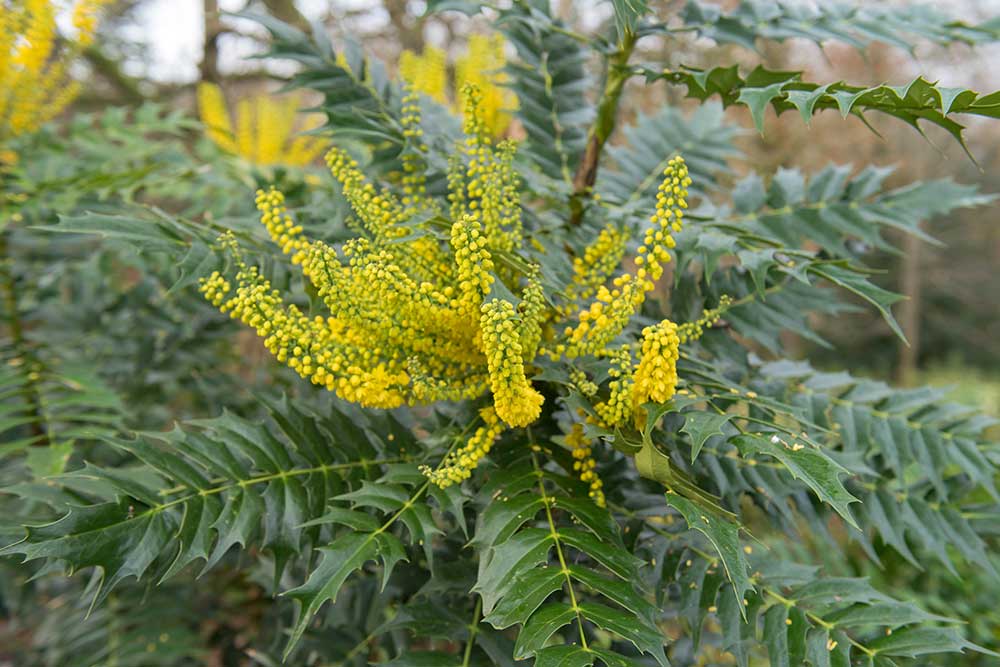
{"x": 821, "y": 473}
{"x": 919, "y": 100}
{"x": 701, "y": 426}
{"x": 725, "y": 538}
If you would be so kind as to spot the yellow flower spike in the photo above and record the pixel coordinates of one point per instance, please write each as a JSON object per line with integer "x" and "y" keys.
{"x": 599, "y": 261}
{"x": 414, "y": 178}
{"x": 280, "y": 226}
{"x": 583, "y": 462}
{"x": 459, "y": 465}
{"x": 517, "y": 403}
{"x": 582, "y": 383}
{"x": 532, "y": 311}
{"x": 610, "y": 312}
{"x": 456, "y": 186}
{"x": 656, "y": 376}
{"x": 473, "y": 264}
{"x": 307, "y": 344}
{"x": 474, "y": 129}
{"x": 690, "y": 331}
{"x": 380, "y": 213}
{"x": 618, "y": 408}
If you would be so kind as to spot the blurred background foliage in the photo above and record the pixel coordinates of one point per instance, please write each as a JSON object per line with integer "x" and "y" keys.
{"x": 133, "y": 139}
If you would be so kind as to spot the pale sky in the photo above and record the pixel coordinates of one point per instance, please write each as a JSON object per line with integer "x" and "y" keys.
{"x": 172, "y": 33}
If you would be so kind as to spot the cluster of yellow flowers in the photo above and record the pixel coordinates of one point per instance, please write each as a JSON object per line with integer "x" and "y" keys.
{"x": 34, "y": 73}
{"x": 265, "y": 128}
{"x": 694, "y": 330}
{"x": 583, "y": 462}
{"x": 458, "y": 466}
{"x": 417, "y": 316}
{"x": 481, "y": 67}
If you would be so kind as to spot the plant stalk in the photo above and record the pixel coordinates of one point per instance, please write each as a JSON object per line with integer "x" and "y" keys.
{"x": 604, "y": 125}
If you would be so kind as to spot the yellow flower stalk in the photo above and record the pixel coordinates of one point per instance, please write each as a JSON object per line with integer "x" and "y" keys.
{"x": 605, "y": 318}
{"x": 481, "y": 66}
{"x": 459, "y": 465}
{"x": 617, "y": 410}
{"x": 583, "y": 462}
{"x": 599, "y": 261}
{"x": 418, "y": 313}
{"x": 264, "y": 132}
{"x": 34, "y": 76}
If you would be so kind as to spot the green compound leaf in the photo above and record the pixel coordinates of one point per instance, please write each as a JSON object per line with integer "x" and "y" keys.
{"x": 569, "y": 576}
{"x": 917, "y": 641}
{"x": 725, "y": 537}
{"x": 342, "y": 557}
{"x": 821, "y": 473}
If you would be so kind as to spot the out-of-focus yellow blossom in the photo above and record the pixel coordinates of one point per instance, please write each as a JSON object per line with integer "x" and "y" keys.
{"x": 583, "y": 462}
{"x": 458, "y": 466}
{"x": 481, "y": 66}
{"x": 265, "y": 128}
{"x": 420, "y": 312}
{"x": 426, "y": 73}
{"x": 34, "y": 76}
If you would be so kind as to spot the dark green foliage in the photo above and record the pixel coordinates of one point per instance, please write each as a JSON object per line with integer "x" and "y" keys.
{"x": 551, "y": 83}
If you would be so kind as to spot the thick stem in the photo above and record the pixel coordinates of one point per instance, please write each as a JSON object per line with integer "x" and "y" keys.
{"x": 604, "y": 125}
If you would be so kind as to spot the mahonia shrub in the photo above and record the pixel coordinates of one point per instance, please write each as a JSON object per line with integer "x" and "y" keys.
{"x": 536, "y": 404}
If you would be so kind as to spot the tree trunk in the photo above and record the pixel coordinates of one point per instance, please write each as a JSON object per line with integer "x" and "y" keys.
{"x": 209, "y": 68}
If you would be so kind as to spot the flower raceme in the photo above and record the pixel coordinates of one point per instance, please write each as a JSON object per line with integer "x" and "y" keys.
{"x": 263, "y": 130}
{"x": 417, "y": 316}
{"x": 34, "y": 74}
